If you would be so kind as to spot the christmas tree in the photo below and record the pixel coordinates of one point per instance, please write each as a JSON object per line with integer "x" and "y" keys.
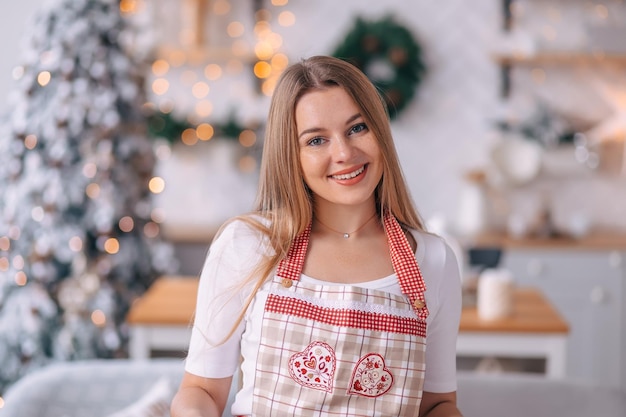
{"x": 79, "y": 238}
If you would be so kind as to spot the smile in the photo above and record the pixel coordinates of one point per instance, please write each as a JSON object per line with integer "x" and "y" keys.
{"x": 349, "y": 175}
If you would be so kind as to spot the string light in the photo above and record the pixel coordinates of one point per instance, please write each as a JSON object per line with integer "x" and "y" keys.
{"x": 98, "y": 318}
{"x": 126, "y": 224}
{"x": 5, "y": 243}
{"x": 156, "y": 185}
{"x": 112, "y": 246}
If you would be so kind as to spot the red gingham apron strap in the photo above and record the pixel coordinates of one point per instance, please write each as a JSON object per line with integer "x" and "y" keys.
{"x": 291, "y": 266}
{"x": 405, "y": 265}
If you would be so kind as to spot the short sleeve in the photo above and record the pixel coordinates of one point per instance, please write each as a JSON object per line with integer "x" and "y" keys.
{"x": 444, "y": 284}
{"x": 214, "y": 348}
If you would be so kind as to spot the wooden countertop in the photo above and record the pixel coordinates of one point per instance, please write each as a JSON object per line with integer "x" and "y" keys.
{"x": 532, "y": 313}
{"x": 171, "y": 301}
{"x": 599, "y": 240}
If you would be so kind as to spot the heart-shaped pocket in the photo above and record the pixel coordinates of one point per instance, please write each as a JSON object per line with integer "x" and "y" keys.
{"x": 370, "y": 376}
{"x": 314, "y": 367}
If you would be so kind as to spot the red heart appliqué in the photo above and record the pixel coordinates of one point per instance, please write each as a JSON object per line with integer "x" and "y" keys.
{"x": 314, "y": 367}
{"x": 370, "y": 376}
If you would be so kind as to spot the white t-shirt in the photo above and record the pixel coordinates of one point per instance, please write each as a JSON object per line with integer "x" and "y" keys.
{"x": 222, "y": 295}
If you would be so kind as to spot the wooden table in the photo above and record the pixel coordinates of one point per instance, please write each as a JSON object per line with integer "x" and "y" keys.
{"x": 161, "y": 320}
{"x": 162, "y": 317}
{"x": 534, "y": 330}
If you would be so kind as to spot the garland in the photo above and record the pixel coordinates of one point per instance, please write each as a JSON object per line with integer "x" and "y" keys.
{"x": 166, "y": 126}
{"x": 389, "y": 55}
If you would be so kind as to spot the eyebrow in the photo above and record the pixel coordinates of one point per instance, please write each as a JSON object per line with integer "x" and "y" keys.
{"x": 317, "y": 129}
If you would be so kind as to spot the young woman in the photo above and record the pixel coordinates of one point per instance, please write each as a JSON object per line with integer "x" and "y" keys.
{"x": 330, "y": 299}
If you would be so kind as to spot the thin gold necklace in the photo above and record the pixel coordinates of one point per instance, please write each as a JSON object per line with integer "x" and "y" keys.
{"x": 345, "y": 235}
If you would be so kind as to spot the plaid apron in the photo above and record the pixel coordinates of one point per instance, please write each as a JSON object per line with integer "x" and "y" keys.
{"x": 334, "y": 350}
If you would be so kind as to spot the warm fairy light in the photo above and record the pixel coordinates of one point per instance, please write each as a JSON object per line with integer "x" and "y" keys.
{"x": 204, "y": 108}
{"x": 268, "y": 86}
{"x": 280, "y": 62}
{"x": 21, "y": 279}
{"x": 90, "y": 169}
{"x": 30, "y": 142}
{"x": 286, "y": 19}
{"x": 279, "y": 2}
{"x": 37, "y": 213}
{"x": 262, "y": 69}
{"x": 112, "y": 246}
{"x": 262, "y": 29}
{"x": 4, "y": 264}
{"x": 160, "y": 67}
{"x": 247, "y": 138}
{"x": 188, "y": 137}
{"x": 275, "y": 41}
{"x": 160, "y": 86}
{"x": 156, "y": 185}
{"x": 200, "y": 89}
{"x": 158, "y": 215}
{"x": 221, "y": 7}
{"x": 204, "y": 131}
{"x": 98, "y": 318}
{"x": 126, "y": 224}
{"x": 128, "y": 6}
{"x": 263, "y": 50}
{"x": 247, "y": 164}
{"x": 5, "y": 243}
{"x": 18, "y": 262}
{"x": 92, "y": 190}
{"x": 212, "y": 72}
{"x": 44, "y": 78}
{"x": 235, "y": 29}
{"x": 76, "y": 244}
{"x": 151, "y": 230}
{"x": 177, "y": 58}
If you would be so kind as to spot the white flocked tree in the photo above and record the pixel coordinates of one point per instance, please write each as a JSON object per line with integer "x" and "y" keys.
{"x": 79, "y": 239}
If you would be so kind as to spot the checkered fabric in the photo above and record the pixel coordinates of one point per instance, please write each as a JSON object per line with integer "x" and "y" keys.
{"x": 331, "y": 350}
{"x": 405, "y": 265}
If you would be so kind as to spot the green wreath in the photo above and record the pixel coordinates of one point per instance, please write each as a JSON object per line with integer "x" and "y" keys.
{"x": 389, "y": 55}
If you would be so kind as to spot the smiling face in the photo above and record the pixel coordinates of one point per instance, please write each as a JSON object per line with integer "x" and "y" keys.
{"x": 340, "y": 157}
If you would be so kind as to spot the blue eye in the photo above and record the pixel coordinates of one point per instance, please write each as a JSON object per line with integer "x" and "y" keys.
{"x": 358, "y": 128}
{"x": 315, "y": 141}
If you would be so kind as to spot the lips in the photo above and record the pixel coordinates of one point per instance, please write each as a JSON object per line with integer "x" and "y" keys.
{"x": 349, "y": 175}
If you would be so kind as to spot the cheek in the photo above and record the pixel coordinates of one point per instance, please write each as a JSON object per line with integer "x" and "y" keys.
{"x": 311, "y": 166}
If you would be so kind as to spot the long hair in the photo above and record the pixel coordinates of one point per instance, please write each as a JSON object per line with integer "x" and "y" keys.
{"x": 283, "y": 199}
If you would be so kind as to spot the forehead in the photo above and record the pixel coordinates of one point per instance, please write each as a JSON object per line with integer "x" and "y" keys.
{"x": 325, "y": 106}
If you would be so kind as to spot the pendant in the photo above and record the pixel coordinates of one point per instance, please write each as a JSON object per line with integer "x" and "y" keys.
{"x": 346, "y": 235}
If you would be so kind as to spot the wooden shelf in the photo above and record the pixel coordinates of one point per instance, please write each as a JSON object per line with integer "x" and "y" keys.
{"x": 561, "y": 58}
{"x": 593, "y": 241}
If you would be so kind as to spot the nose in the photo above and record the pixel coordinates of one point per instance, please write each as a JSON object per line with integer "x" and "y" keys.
{"x": 342, "y": 149}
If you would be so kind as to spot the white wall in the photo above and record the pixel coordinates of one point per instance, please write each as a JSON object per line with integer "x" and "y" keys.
{"x": 446, "y": 130}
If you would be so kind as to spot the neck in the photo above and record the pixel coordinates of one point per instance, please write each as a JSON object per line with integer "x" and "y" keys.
{"x": 350, "y": 226}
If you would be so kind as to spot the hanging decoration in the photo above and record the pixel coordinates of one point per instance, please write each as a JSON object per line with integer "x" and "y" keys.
{"x": 389, "y": 55}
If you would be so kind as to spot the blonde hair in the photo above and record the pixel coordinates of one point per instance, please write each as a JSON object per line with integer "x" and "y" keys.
{"x": 283, "y": 197}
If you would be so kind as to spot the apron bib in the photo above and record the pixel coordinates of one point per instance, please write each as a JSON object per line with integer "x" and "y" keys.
{"x": 330, "y": 350}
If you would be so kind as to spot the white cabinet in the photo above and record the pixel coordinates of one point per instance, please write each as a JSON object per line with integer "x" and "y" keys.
{"x": 587, "y": 287}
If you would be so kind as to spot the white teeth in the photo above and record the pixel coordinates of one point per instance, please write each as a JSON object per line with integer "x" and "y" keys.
{"x": 350, "y": 175}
